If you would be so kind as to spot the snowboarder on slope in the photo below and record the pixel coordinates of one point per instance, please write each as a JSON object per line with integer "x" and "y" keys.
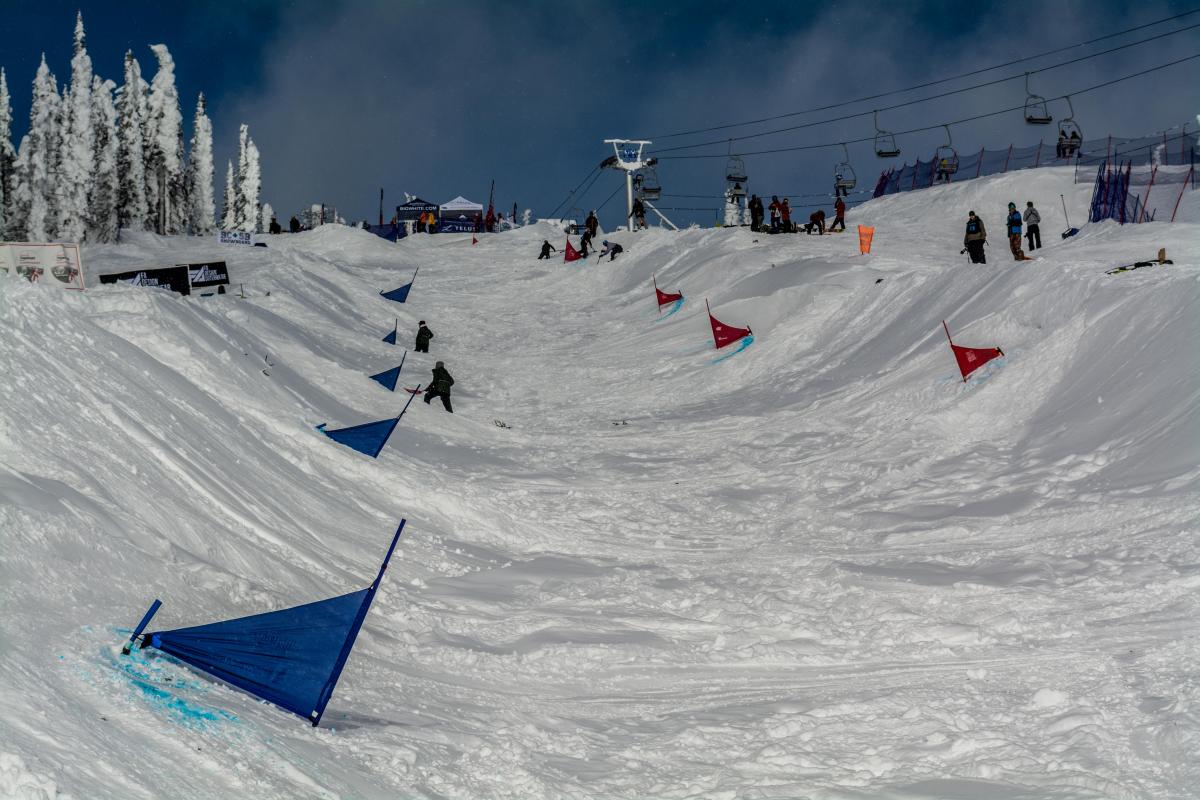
{"x": 975, "y": 238}
{"x": 1033, "y": 231}
{"x": 1014, "y": 232}
{"x": 294, "y": 225}
{"x": 546, "y": 248}
{"x": 816, "y": 220}
{"x": 585, "y": 243}
{"x": 611, "y": 249}
{"x": 440, "y": 386}
{"x": 423, "y": 337}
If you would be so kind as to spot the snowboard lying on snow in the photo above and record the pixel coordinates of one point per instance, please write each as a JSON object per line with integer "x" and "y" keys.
{"x": 1162, "y": 259}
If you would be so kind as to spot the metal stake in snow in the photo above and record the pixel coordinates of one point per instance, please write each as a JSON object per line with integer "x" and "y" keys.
{"x": 629, "y": 158}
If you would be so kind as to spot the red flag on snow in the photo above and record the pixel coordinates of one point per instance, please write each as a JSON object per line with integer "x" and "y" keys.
{"x": 971, "y": 358}
{"x": 474, "y": 240}
{"x": 571, "y": 254}
{"x": 725, "y": 334}
{"x": 665, "y": 298}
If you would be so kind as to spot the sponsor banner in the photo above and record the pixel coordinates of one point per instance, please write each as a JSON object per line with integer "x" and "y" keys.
{"x": 174, "y": 279}
{"x": 54, "y": 264}
{"x": 456, "y": 226}
{"x": 235, "y": 237}
{"x": 207, "y": 274}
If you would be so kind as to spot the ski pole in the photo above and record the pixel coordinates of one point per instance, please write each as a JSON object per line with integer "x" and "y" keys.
{"x": 1064, "y": 205}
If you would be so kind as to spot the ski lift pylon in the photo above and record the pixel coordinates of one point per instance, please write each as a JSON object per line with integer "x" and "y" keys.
{"x": 946, "y": 157}
{"x": 735, "y": 175}
{"x": 885, "y": 142}
{"x": 1036, "y": 112}
{"x": 843, "y": 173}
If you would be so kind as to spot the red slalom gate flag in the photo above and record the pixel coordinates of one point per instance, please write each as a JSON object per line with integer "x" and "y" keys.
{"x": 971, "y": 358}
{"x": 571, "y": 254}
{"x": 665, "y": 298}
{"x": 474, "y": 240}
{"x": 725, "y": 334}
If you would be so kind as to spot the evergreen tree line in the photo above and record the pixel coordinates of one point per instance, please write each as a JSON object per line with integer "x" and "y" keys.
{"x": 98, "y": 159}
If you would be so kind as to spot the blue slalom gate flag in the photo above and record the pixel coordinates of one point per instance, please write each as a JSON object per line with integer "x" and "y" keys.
{"x": 387, "y": 379}
{"x": 400, "y": 294}
{"x": 292, "y": 657}
{"x": 370, "y": 437}
{"x": 391, "y": 337}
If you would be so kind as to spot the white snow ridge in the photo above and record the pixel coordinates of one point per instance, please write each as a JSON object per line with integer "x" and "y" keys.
{"x": 823, "y": 568}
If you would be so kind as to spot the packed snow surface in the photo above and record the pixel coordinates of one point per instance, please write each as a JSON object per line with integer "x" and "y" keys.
{"x": 823, "y": 568}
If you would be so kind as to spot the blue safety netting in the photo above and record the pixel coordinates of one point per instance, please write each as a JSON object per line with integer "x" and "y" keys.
{"x": 1175, "y": 148}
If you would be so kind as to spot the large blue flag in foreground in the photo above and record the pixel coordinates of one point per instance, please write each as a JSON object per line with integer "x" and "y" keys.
{"x": 292, "y": 657}
{"x": 370, "y": 437}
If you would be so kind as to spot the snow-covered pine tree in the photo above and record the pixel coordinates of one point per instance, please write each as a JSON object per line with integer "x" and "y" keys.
{"x": 34, "y": 191}
{"x": 164, "y": 145}
{"x": 250, "y": 185}
{"x": 105, "y": 187}
{"x": 8, "y": 162}
{"x": 265, "y": 217}
{"x": 77, "y": 150}
{"x": 200, "y": 173}
{"x": 239, "y": 218}
{"x": 229, "y": 213}
{"x": 132, "y": 210}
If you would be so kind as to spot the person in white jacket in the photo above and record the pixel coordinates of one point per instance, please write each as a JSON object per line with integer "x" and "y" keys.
{"x": 1032, "y": 222}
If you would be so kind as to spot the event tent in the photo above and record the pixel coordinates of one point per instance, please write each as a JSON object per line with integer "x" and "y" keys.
{"x": 461, "y": 207}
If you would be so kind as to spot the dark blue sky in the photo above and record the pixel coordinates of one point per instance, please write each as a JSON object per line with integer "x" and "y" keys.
{"x": 437, "y": 99}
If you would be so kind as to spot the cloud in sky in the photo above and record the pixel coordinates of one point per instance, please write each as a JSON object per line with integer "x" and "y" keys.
{"x": 438, "y": 99}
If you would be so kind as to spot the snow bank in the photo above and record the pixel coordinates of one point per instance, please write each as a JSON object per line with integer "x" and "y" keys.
{"x": 825, "y": 567}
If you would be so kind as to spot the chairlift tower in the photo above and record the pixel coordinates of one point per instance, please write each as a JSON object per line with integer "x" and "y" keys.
{"x": 628, "y": 157}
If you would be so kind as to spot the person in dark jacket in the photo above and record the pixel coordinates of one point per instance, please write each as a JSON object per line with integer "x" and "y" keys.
{"x": 756, "y": 213}
{"x": 1033, "y": 226}
{"x": 585, "y": 243}
{"x": 592, "y": 224}
{"x": 975, "y": 238}
{"x": 1014, "y": 232}
{"x": 294, "y": 225}
{"x": 423, "y": 337}
{"x": 774, "y": 209}
{"x": 440, "y": 386}
{"x": 638, "y": 214}
{"x": 275, "y": 227}
{"x": 839, "y": 215}
{"x": 546, "y": 248}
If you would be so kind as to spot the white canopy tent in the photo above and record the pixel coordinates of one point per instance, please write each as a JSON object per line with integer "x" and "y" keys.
{"x": 460, "y": 206}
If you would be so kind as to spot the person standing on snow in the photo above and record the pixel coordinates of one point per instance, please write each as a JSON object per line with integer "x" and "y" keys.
{"x": 839, "y": 215}
{"x": 440, "y": 386}
{"x": 774, "y": 209}
{"x": 423, "y": 337}
{"x": 546, "y": 248}
{"x": 1014, "y": 232}
{"x": 638, "y": 214}
{"x": 585, "y": 243}
{"x": 975, "y": 238}
{"x": 785, "y": 216}
{"x": 1033, "y": 231}
{"x": 592, "y": 224}
{"x": 756, "y": 213}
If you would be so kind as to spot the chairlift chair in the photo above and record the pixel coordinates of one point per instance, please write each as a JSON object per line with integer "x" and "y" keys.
{"x": 843, "y": 173}
{"x": 1067, "y": 125}
{"x": 648, "y": 187}
{"x": 946, "y": 157}
{"x": 735, "y": 175}
{"x": 885, "y": 142}
{"x": 1036, "y": 112}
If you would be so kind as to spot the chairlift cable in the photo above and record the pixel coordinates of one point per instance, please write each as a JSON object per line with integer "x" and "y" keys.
{"x": 571, "y": 193}
{"x": 920, "y": 100}
{"x": 936, "y": 82}
{"x": 924, "y": 128}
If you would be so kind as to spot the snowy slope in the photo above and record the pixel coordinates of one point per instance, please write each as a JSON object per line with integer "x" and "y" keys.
{"x": 823, "y": 568}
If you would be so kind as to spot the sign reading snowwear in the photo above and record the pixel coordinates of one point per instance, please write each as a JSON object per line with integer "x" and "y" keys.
{"x": 235, "y": 237}
{"x": 209, "y": 273}
{"x": 174, "y": 279}
{"x": 55, "y": 264}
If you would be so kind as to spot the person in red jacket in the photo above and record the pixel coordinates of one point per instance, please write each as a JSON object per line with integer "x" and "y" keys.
{"x": 816, "y": 220}
{"x": 839, "y": 215}
{"x": 774, "y": 209}
{"x": 785, "y": 214}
